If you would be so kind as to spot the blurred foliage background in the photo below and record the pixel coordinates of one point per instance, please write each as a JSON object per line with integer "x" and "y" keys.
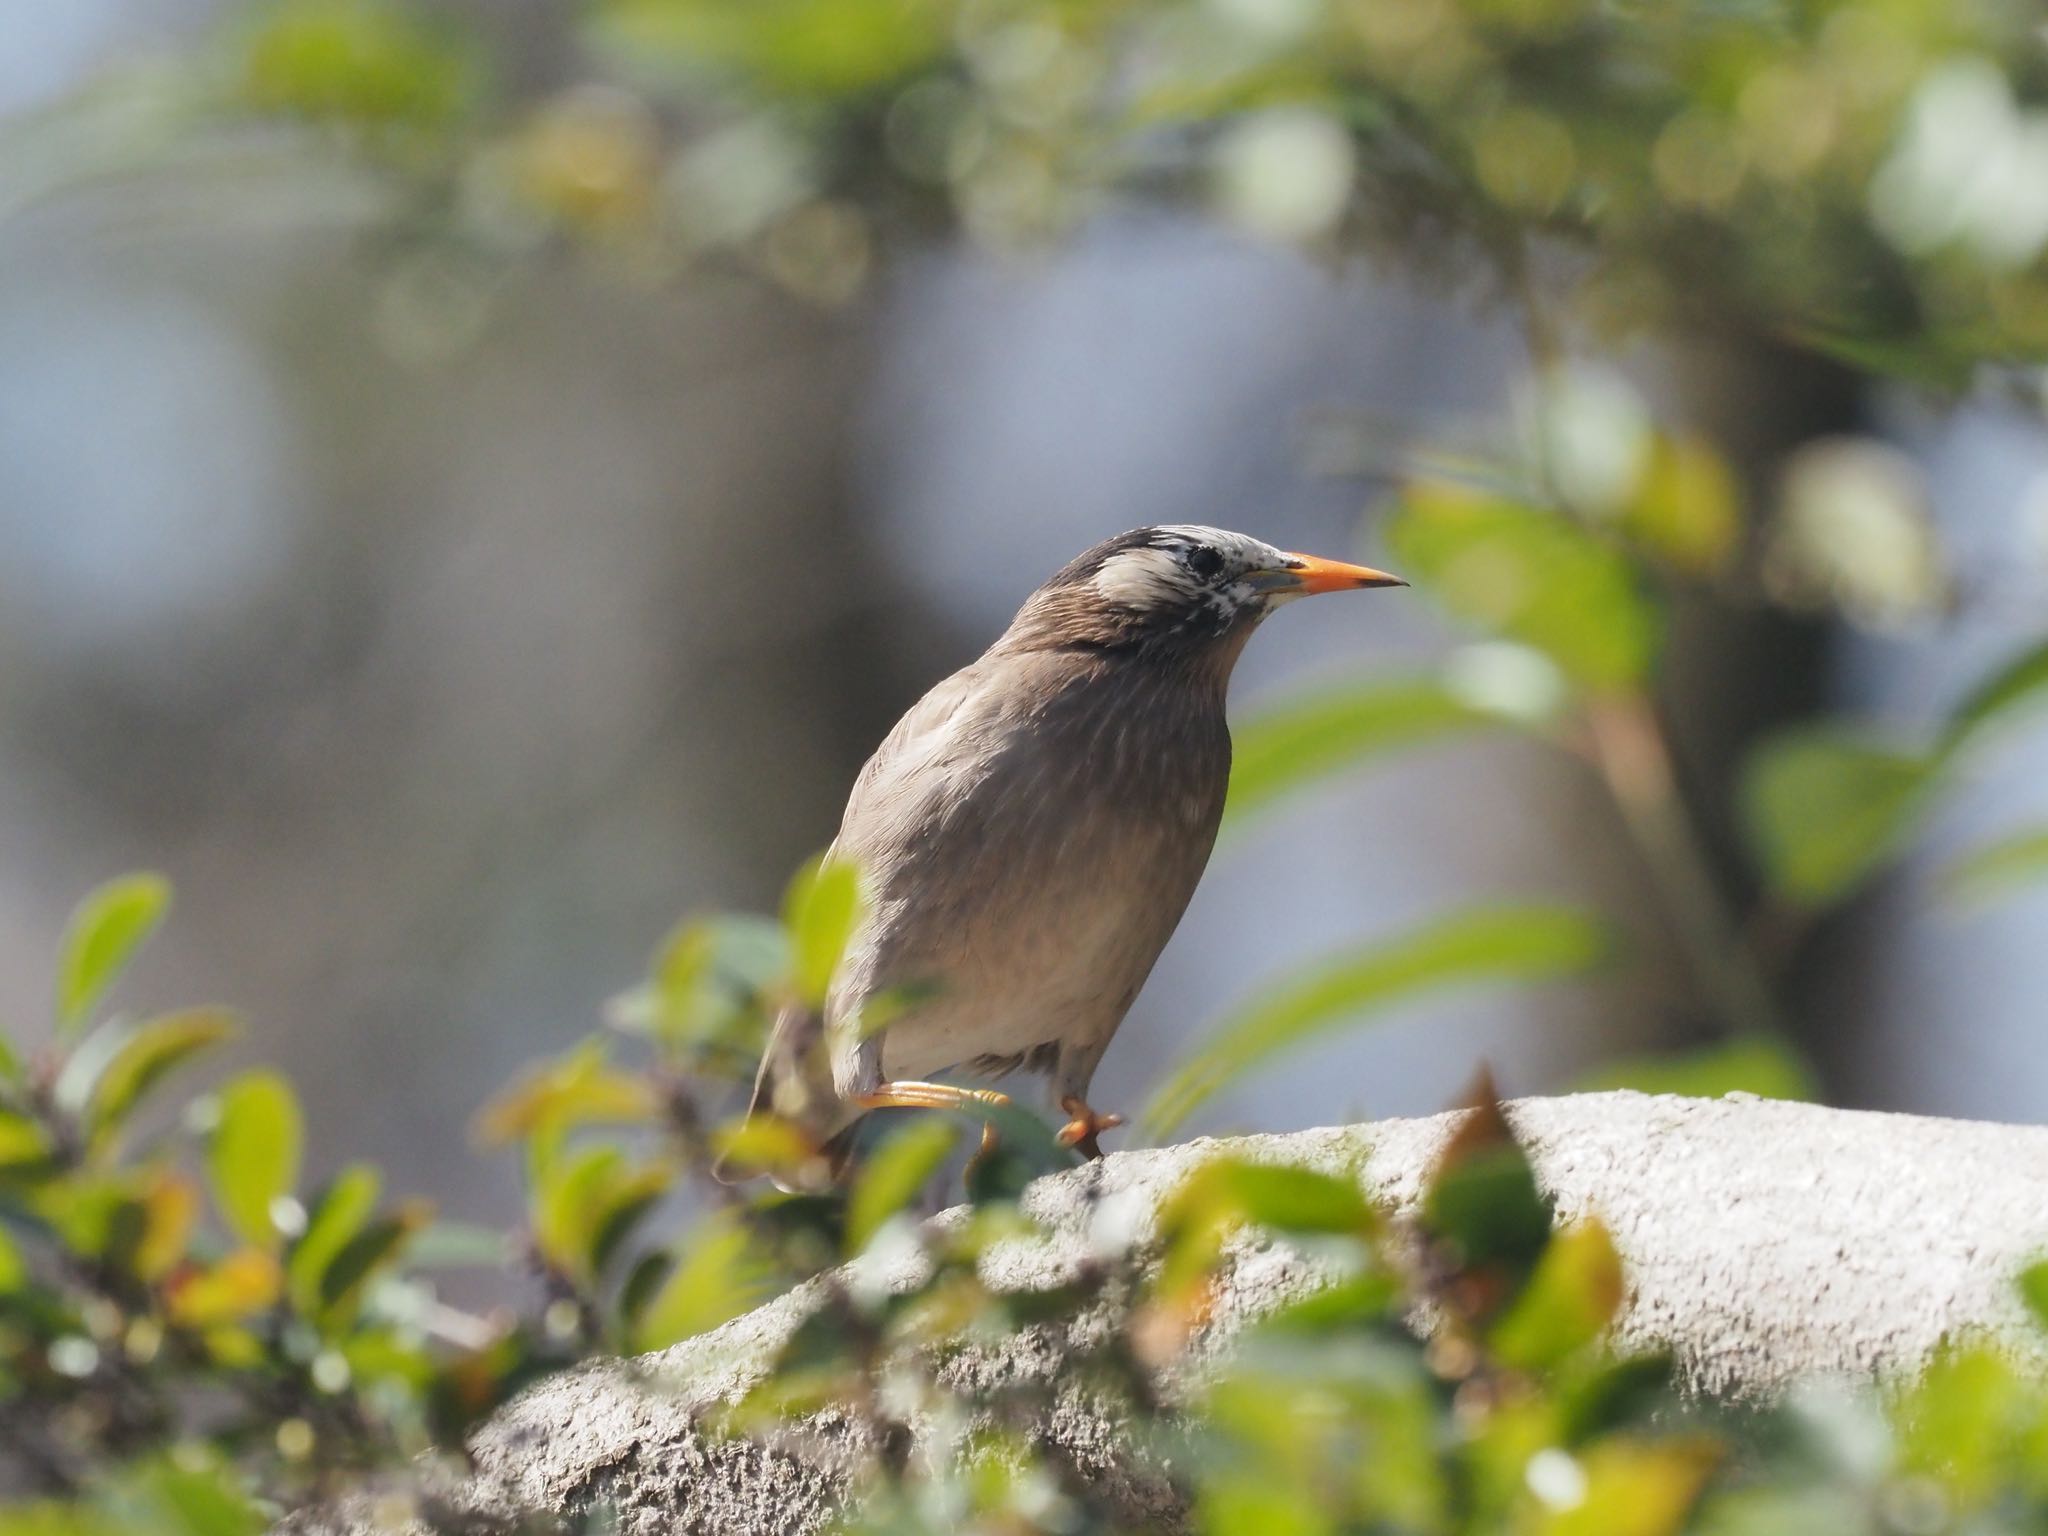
{"x": 476, "y": 480}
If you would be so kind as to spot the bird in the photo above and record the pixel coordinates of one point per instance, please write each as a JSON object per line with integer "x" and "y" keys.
{"x": 1028, "y": 836}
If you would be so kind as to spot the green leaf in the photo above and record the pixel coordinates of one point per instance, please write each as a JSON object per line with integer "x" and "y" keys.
{"x": 802, "y": 48}
{"x": 372, "y": 63}
{"x": 576, "y": 1089}
{"x": 13, "y": 1267}
{"x": 900, "y": 1167}
{"x": 1237, "y": 1503}
{"x": 1532, "y": 576}
{"x": 1025, "y": 1149}
{"x": 707, "y": 982}
{"x": 1568, "y": 1302}
{"x": 1483, "y": 1201}
{"x": 1226, "y": 1193}
{"x": 639, "y": 1288}
{"x": 236, "y": 1288}
{"x": 253, "y": 1155}
{"x": 1331, "y": 729}
{"x": 103, "y": 935}
{"x": 49, "y": 1517}
{"x": 1686, "y": 509}
{"x": 90, "y": 1213}
{"x": 1765, "y": 1065}
{"x": 823, "y": 908}
{"x": 755, "y": 1144}
{"x": 1938, "y": 364}
{"x": 820, "y": 1344}
{"x": 458, "y": 1245}
{"x": 1277, "y": 1196}
{"x": 2017, "y": 683}
{"x": 1825, "y": 808}
{"x": 377, "y": 1246}
{"x": 1957, "y": 1423}
{"x": 2033, "y": 1287}
{"x": 168, "y": 1498}
{"x": 1507, "y": 944}
{"x": 717, "y": 1276}
{"x": 1613, "y": 1393}
{"x": 147, "y": 1055}
{"x": 581, "y": 1202}
{"x": 168, "y": 1208}
{"x": 22, "y": 1142}
{"x": 624, "y": 1209}
{"x": 1371, "y": 1298}
{"x": 1998, "y": 869}
{"x": 338, "y": 1215}
{"x": 1636, "y": 1488}
{"x": 564, "y": 1206}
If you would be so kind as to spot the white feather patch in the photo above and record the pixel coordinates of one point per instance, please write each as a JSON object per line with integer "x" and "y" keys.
{"x": 1144, "y": 578}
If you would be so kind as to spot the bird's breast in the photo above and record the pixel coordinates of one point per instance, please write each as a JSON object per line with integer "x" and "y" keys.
{"x": 1033, "y": 868}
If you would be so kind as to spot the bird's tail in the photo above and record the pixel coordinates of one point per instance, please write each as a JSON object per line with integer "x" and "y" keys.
{"x": 795, "y": 1083}
{"x": 724, "y": 1168}
{"x": 832, "y": 1166}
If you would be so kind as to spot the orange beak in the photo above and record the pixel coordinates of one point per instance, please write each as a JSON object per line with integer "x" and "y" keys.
{"x": 1310, "y": 574}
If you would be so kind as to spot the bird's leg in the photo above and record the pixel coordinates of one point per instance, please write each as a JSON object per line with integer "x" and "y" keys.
{"x": 915, "y": 1095}
{"x": 1081, "y": 1131}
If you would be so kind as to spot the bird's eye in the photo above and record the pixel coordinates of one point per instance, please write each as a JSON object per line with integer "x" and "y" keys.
{"x": 1205, "y": 562}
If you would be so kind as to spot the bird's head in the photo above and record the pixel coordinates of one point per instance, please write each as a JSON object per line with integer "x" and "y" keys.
{"x": 1180, "y": 586}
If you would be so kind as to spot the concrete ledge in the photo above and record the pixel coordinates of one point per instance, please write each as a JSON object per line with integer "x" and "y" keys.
{"x": 1765, "y": 1243}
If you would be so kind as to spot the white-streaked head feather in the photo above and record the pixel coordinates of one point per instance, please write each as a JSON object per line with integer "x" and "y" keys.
{"x": 1184, "y": 565}
{"x": 1145, "y": 578}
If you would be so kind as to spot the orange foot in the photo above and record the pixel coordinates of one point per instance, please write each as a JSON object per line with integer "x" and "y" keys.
{"x": 1081, "y": 1131}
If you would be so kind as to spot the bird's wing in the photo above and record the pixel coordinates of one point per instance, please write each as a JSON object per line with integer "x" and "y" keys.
{"x": 892, "y": 829}
{"x": 816, "y": 1060}
{"x": 927, "y": 768}
{"x": 917, "y": 762}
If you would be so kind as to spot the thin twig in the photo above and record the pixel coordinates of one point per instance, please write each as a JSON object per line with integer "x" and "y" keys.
{"x": 1631, "y": 753}
{"x": 1633, "y": 757}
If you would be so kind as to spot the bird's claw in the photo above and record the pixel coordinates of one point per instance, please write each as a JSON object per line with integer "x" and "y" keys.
{"x": 1081, "y": 1131}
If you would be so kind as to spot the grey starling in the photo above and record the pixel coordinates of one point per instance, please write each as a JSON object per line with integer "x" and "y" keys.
{"x": 1031, "y": 831}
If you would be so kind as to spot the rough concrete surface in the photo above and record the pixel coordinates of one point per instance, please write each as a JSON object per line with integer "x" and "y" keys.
{"x": 1765, "y": 1242}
